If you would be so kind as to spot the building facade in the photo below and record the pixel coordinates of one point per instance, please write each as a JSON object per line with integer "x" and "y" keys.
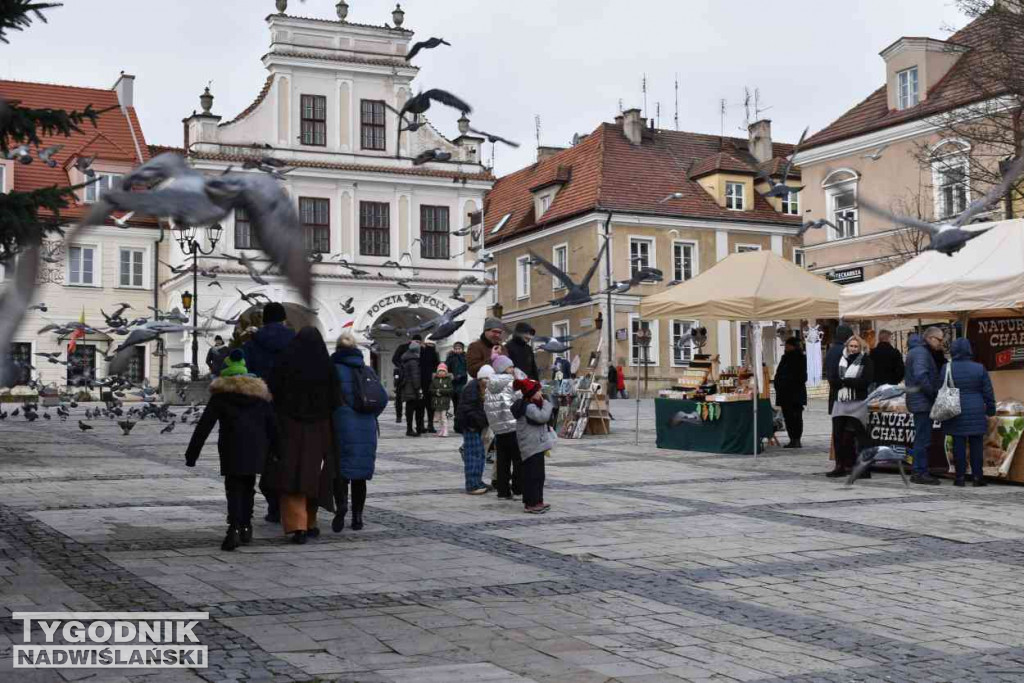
{"x": 98, "y": 268}
{"x": 676, "y": 201}
{"x": 327, "y": 110}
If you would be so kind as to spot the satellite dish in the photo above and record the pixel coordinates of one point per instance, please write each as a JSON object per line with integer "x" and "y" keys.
{"x": 575, "y": 365}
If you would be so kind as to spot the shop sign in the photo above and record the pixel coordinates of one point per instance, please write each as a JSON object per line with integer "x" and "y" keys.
{"x": 846, "y": 276}
{"x": 621, "y": 334}
{"x": 586, "y": 322}
{"x": 407, "y": 300}
{"x": 895, "y": 430}
{"x": 998, "y": 343}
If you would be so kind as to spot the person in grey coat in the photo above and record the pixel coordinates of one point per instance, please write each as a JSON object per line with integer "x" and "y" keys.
{"x": 922, "y": 378}
{"x": 535, "y": 437}
{"x": 412, "y": 388}
{"x": 977, "y": 403}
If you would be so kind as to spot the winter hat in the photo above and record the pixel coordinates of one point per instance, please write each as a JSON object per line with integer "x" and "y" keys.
{"x": 501, "y": 364}
{"x": 274, "y": 313}
{"x": 843, "y": 333}
{"x": 234, "y": 364}
{"x": 524, "y": 328}
{"x": 442, "y": 367}
{"x": 528, "y": 387}
{"x": 493, "y": 324}
{"x": 485, "y": 372}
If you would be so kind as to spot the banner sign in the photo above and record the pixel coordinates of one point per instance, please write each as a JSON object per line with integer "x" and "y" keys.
{"x": 998, "y": 343}
{"x": 846, "y": 276}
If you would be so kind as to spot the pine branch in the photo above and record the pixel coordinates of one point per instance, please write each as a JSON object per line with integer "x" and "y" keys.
{"x": 17, "y": 15}
{"x": 21, "y": 125}
{"x": 21, "y": 220}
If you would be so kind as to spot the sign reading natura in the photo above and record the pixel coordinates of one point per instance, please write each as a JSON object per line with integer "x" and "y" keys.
{"x": 998, "y": 343}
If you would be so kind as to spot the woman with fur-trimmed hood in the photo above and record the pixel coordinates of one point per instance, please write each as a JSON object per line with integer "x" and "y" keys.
{"x": 241, "y": 403}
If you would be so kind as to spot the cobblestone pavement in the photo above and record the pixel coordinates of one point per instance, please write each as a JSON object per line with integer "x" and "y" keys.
{"x": 652, "y": 566}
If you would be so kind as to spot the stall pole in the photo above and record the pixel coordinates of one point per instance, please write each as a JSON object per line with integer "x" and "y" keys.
{"x": 754, "y": 395}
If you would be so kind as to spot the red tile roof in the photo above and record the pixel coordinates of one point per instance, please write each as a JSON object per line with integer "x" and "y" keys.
{"x": 723, "y": 161}
{"x": 608, "y": 173}
{"x": 775, "y": 167}
{"x": 397, "y": 62}
{"x": 959, "y": 87}
{"x": 110, "y": 140}
{"x": 350, "y": 23}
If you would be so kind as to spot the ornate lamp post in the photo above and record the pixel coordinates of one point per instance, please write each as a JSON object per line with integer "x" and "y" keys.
{"x": 190, "y": 246}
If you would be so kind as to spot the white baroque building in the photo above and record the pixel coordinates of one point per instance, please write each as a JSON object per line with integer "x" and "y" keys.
{"x": 360, "y": 197}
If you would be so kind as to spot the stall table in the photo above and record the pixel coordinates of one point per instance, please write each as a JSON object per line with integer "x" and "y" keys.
{"x": 730, "y": 433}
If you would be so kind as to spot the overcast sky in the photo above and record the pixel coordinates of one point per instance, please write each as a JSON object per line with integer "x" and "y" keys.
{"x": 568, "y": 61}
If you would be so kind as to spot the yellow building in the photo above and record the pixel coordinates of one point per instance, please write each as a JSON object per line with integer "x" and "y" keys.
{"x": 670, "y": 200}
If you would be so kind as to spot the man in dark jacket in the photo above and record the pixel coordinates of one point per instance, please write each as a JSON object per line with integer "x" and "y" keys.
{"x": 480, "y": 351}
{"x": 888, "y": 361}
{"x": 216, "y": 355}
{"x": 429, "y": 360}
{"x": 791, "y": 390}
{"x": 412, "y": 388}
{"x": 266, "y": 345}
{"x": 396, "y": 365}
{"x": 456, "y": 362}
{"x": 922, "y": 375}
{"x": 261, "y": 353}
{"x": 520, "y": 352}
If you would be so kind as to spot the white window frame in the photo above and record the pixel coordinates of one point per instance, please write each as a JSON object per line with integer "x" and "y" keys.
{"x": 556, "y": 332}
{"x": 959, "y": 151}
{"x": 653, "y": 355}
{"x": 743, "y": 248}
{"x": 790, "y": 204}
{"x": 739, "y": 343}
{"x": 799, "y": 257}
{"x": 845, "y": 179}
{"x": 523, "y": 277}
{"x": 3, "y": 178}
{"x": 492, "y": 274}
{"x": 556, "y": 283}
{"x": 905, "y": 97}
{"x": 97, "y": 265}
{"x": 98, "y": 188}
{"x": 652, "y": 254}
{"x": 143, "y": 253}
{"x": 694, "y": 260}
{"x": 738, "y": 202}
{"x": 673, "y": 337}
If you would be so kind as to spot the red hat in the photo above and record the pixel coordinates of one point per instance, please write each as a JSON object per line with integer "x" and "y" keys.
{"x": 528, "y": 387}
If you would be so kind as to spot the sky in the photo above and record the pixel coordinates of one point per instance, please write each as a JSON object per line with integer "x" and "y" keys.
{"x": 570, "y": 62}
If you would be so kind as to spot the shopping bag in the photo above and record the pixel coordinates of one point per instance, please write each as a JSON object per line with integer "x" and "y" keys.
{"x": 947, "y": 402}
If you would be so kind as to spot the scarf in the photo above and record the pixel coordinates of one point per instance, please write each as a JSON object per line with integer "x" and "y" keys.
{"x": 849, "y": 368}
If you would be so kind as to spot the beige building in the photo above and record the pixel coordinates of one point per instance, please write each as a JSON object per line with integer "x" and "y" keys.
{"x": 896, "y": 149}
{"x": 675, "y": 201}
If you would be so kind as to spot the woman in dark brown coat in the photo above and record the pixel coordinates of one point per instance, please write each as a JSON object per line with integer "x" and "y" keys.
{"x": 305, "y": 389}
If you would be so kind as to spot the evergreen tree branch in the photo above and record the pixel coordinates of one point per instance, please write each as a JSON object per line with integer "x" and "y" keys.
{"x": 17, "y": 15}
{"x": 20, "y": 125}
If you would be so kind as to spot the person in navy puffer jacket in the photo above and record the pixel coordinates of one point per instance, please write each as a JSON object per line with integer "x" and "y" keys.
{"x": 355, "y": 436}
{"x": 922, "y": 379}
{"x": 977, "y": 401}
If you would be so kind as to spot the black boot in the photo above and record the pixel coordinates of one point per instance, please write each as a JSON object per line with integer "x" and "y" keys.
{"x": 231, "y": 539}
{"x": 273, "y": 511}
{"x": 299, "y": 537}
{"x": 245, "y": 534}
{"x": 338, "y": 523}
{"x": 313, "y": 533}
{"x": 357, "y": 520}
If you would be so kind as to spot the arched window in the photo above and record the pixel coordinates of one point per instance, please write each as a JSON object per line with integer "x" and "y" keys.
{"x": 951, "y": 177}
{"x": 841, "y": 203}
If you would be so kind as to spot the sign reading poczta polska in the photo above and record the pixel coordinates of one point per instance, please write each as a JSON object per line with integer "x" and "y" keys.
{"x": 113, "y": 640}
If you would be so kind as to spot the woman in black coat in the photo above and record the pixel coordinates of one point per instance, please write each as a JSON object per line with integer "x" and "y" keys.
{"x": 306, "y": 391}
{"x": 791, "y": 390}
{"x": 247, "y": 440}
{"x": 854, "y": 375}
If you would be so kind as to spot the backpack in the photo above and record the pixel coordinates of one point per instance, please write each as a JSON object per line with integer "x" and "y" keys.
{"x": 368, "y": 394}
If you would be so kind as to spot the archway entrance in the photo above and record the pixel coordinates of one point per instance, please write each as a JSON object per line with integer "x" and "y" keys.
{"x": 388, "y": 343}
{"x": 297, "y": 317}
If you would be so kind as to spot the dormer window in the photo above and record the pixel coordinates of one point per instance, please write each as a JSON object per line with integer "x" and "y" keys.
{"x": 734, "y": 196}
{"x": 791, "y": 204}
{"x": 909, "y": 92}
{"x": 545, "y": 203}
{"x": 105, "y": 182}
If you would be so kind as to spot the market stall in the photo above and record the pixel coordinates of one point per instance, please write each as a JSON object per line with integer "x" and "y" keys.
{"x": 982, "y": 288}
{"x": 721, "y": 427}
{"x": 746, "y": 287}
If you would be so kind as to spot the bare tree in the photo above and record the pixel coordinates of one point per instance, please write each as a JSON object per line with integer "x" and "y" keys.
{"x": 989, "y": 112}
{"x": 904, "y": 243}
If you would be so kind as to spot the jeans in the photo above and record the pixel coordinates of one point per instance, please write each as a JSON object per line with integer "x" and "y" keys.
{"x": 239, "y": 490}
{"x": 473, "y": 460}
{"x": 414, "y": 409}
{"x": 960, "y": 443}
{"x": 794, "y": 417}
{"x": 508, "y": 465}
{"x": 533, "y": 480}
{"x": 922, "y": 440}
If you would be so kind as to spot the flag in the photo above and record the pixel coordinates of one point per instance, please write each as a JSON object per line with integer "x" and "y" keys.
{"x": 350, "y": 323}
{"x": 79, "y": 333}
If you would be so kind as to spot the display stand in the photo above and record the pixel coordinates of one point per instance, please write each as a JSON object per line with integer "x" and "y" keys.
{"x": 578, "y": 415}
{"x": 599, "y": 419}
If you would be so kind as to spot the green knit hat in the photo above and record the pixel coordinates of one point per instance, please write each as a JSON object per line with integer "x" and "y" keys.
{"x": 234, "y": 364}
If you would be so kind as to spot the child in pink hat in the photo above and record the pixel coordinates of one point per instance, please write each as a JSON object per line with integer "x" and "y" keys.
{"x": 441, "y": 394}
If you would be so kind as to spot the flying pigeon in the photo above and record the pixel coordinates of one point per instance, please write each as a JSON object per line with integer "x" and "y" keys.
{"x": 577, "y": 293}
{"x": 428, "y": 44}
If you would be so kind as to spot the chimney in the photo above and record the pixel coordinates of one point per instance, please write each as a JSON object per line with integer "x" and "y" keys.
{"x": 619, "y": 119}
{"x": 125, "y": 88}
{"x": 633, "y": 126}
{"x": 546, "y": 152}
{"x": 761, "y": 140}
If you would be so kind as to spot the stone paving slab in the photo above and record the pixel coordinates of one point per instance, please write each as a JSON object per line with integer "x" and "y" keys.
{"x": 133, "y": 523}
{"x": 784, "y": 491}
{"x": 59, "y": 494}
{"x": 633, "y": 471}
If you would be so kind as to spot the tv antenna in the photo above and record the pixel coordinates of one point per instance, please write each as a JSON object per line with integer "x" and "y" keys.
{"x": 643, "y": 87}
{"x": 536, "y": 121}
{"x": 677, "y": 102}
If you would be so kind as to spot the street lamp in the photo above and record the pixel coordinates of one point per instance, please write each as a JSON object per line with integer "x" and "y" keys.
{"x": 190, "y": 246}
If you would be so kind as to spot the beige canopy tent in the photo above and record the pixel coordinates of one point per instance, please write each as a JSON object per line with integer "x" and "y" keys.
{"x": 986, "y": 275}
{"x": 754, "y": 285}
{"x": 751, "y": 286}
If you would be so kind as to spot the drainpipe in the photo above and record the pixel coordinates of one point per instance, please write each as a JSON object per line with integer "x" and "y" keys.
{"x": 156, "y": 304}
{"x": 608, "y": 276}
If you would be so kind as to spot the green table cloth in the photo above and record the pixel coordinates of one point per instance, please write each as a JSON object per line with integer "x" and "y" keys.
{"x": 733, "y": 432}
